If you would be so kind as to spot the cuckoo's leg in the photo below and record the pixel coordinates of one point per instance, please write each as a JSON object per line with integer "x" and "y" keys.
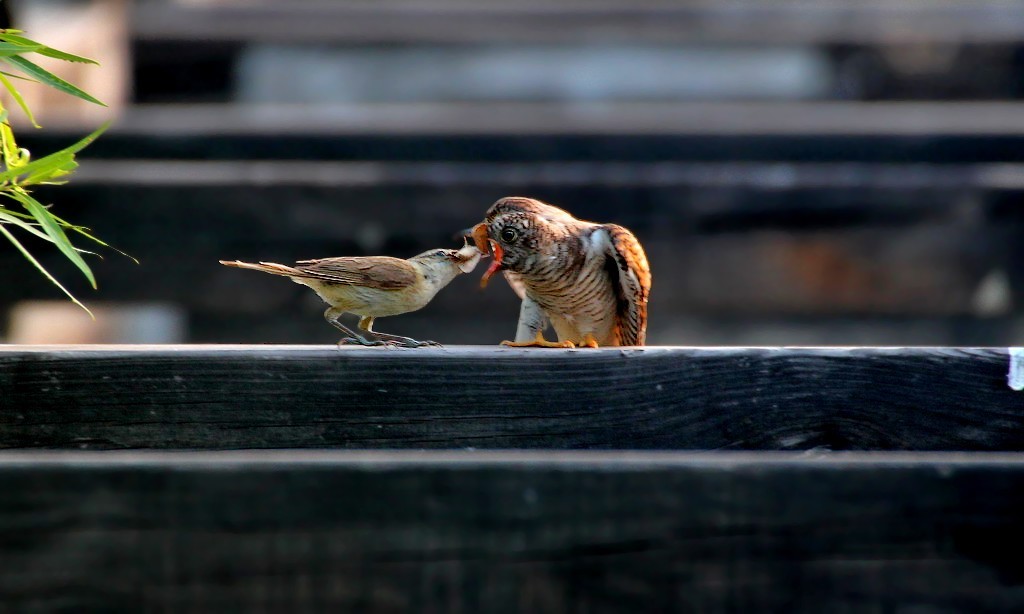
{"x": 530, "y": 330}
{"x": 539, "y": 342}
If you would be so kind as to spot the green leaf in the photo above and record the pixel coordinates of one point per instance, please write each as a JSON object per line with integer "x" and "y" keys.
{"x": 7, "y": 218}
{"x": 9, "y": 49}
{"x": 31, "y": 46}
{"x": 17, "y": 98}
{"x": 56, "y": 159}
{"x": 53, "y": 229}
{"x": 49, "y": 174}
{"x": 14, "y": 76}
{"x": 45, "y": 76}
{"x": 50, "y": 52}
{"x": 12, "y": 217}
{"x": 82, "y": 230}
{"x": 12, "y": 160}
{"x": 14, "y": 241}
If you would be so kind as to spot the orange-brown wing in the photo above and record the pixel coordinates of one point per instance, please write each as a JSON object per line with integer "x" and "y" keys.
{"x": 631, "y": 278}
{"x": 382, "y": 272}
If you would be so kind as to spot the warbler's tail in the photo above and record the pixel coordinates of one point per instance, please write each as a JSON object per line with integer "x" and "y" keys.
{"x": 267, "y": 267}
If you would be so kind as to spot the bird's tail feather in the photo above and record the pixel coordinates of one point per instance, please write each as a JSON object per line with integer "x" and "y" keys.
{"x": 267, "y": 267}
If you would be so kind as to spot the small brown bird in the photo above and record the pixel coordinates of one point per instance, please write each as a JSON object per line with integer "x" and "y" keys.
{"x": 375, "y": 286}
{"x": 590, "y": 280}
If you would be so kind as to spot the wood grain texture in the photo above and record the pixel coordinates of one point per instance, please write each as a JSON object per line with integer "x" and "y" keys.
{"x": 897, "y": 131}
{"x": 723, "y": 21}
{"x": 733, "y": 238}
{"x": 226, "y": 397}
{"x": 510, "y": 532}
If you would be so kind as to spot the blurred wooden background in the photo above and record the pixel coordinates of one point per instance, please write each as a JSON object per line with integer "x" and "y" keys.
{"x": 835, "y": 173}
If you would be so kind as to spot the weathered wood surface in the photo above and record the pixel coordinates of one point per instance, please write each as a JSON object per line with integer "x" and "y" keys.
{"x": 923, "y": 129}
{"x": 728, "y": 21}
{"x": 511, "y": 532}
{"x": 226, "y": 397}
{"x": 764, "y": 239}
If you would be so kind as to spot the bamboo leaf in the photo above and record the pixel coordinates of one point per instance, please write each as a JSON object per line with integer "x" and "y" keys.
{"x": 9, "y": 49}
{"x": 18, "y": 77}
{"x": 12, "y": 159}
{"x": 30, "y": 46}
{"x": 17, "y": 98}
{"x": 48, "y": 161}
{"x": 7, "y": 218}
{"x": 44, "y": 76}
{"x": 28, "y": 255}
{"x": 82, "y": 230}
{"x": 53, "y": 229}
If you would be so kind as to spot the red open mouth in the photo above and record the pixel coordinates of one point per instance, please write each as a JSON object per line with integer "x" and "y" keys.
{"x": 486, "y": 244}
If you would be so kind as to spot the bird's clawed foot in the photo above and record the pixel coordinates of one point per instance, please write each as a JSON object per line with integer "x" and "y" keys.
{"x": 539, "y": 342}
{"x": 588, "y": 341}
{"x": 399, "y": 341}
{"x": 357, "y": 340}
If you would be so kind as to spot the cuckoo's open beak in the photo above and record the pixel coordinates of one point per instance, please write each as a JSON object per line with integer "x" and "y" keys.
{"x": 487, "y": 245}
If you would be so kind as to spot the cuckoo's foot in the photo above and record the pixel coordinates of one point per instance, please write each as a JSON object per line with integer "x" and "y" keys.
{"x": 588, "y": 341}
{"x": 539, "y": 342}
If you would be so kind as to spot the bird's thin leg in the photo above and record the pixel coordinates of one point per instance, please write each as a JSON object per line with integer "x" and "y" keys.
{"x": 539, "y": 342}
{"x": 366, "y": 324}
{"x": 332, "y": 315}
{"x": 530, "y": 329}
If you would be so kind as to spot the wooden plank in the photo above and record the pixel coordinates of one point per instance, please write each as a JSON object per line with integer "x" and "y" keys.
{"x": 756, "y": 239}
{"x": 490, "y": 327}
{"x": 717, "y": 118}
{"x": 510, "y": 532}
{"x": 224, "y": 397}
{"x": 694, "y": 21}
{"x": 773, "y": 176}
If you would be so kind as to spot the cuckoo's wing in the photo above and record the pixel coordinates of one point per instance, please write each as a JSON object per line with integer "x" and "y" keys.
{"x": 627, "y": 267}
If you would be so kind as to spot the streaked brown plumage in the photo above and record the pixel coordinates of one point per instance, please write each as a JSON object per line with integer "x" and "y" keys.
{"x": 375, "y": 286}
{"x": 591, "y": 281}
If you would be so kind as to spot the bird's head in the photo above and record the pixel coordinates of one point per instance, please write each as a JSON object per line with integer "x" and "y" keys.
{"x": 515, "y": 230}
{"x": 462, "y": 260}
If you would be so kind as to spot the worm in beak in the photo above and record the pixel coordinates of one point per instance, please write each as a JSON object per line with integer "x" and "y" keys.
{"x": 485, "y": 244}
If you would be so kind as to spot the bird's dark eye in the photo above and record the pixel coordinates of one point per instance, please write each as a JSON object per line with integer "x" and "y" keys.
{"x": 509, "y": 235}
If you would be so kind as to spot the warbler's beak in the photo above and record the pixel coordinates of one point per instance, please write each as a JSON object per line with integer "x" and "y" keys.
{"x": 467, "y": 257}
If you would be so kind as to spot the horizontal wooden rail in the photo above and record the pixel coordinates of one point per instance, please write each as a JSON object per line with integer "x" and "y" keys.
{"x": 750, "y": 239}
{"x": 735, "y": 176}
{"x": 510, "y": 532}
{"x": 721, "y": 21}
{"x": 226, "y": 397}
{"x": 719, "y": 118}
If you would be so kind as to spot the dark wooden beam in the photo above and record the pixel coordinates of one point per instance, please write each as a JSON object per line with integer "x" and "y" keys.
{"x": 740, "y": 238}
{"x": 718, "y": 118}
{"x": 723, "y": 21}
{"x": 510, "y": 532}
{"x": 225, "y": 397}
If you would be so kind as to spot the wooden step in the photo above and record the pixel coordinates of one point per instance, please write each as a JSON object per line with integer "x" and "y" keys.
{"x": 510, "y": 531}
{"x": 228, "y": 397}
{"x": 721, "y": 21}
{"x": 724, "y": 239}
{"x": 719, "y": 130}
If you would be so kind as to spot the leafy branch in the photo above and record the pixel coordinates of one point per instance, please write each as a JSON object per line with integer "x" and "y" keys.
{"x": 21, "y": 173}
